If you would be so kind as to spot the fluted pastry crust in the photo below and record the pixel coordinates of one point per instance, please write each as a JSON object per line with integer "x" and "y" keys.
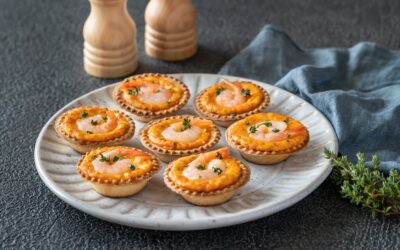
{"x": 167, "y": 154}
{"x": 83, "y": 145}
{"x": 226, "y": 119}
{"x": 273, "y": 153}
{"x": 146, "y": 114}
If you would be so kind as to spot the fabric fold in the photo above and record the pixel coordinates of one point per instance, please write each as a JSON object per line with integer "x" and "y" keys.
{"x": 357, "y": 88}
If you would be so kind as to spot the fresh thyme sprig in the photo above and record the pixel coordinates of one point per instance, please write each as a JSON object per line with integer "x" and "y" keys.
{"x": 366, "y": 186}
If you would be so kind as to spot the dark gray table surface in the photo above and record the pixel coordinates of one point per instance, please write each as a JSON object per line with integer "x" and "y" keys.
{"x": 41, "y": 70}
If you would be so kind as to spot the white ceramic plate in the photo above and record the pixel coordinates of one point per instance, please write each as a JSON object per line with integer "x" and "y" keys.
{"x": 271, "y": 188}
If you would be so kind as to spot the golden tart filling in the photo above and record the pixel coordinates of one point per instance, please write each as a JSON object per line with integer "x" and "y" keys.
{"x": 151, "y": 94}
{"x": 268, "y": 132}
{"x": 206, "y": 179}
{"x": 175, "y": 136}
{"x": 118, "y": 171}
{"x": 232, "y": 98}
{"x": 94, "y": 124}
{"x": 117, "y": 165}
{"x": 206, "y": 172}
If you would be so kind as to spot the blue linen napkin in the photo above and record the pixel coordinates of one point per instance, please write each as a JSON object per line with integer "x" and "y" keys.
{"x": 357, "y": 88}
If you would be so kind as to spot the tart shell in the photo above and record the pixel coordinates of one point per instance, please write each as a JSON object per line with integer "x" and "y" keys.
{"x": 120, "y": 188}
{"x": 209, "y": 198}
{"x": 168, "y": 155}
{"x": 227, "y": 120}
{"x": 146, "y": 115}
{"x": 265, "y": 157}
{"x": 85, "y": 146}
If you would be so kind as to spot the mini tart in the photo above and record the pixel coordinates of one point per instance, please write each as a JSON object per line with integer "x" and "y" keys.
{"x": 205, "y": 105}
{"x": 126, "y": 94}
{"x": 122, "y": 184}
{"x": 169, "y": 150}
{"x": 119, "y": 128}
{"x": 207, "y": 192}
{"x": 290, "y": 140}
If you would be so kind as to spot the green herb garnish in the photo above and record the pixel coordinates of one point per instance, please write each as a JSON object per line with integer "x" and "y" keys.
{"x": 89, "y": 132}
{"x": 253, "y": 129}
{"x": 268, "y": 124}
{"x": 93, "y": 122}
{"x": 366, "y": 186}
{"x": 84, "y": 114}
{"x": 245, "y": 92}
{"x": 247, "y": 123}
{"x": 201, "y": 167}
{"x": 218, "y": 171}
{"x": 132, "y": 167}
{"x": 275, "y": 130}
{"x": 219, "y": 156}
{"x": 186, "y": 124}
{"x": 116, "y": 158}
{"x": 158, "y": 91}
{"x": 134, "y": 91}
{"x": 286, "y": 120}
{"x": 219, "y": 90}
{"x": 105, "y": 118}
{"x": 103, "y": 158}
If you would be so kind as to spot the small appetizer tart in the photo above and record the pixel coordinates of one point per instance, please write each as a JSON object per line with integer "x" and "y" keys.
{"x": 206, "y": 179}
{"x": 150, "y": 96}
{"x": 86, "y": 128}
{"x": 227, "y": 102}
{"x": 118, "y": 171}
{"x": 267, "y": 138}
{"x": 177, "y": 136}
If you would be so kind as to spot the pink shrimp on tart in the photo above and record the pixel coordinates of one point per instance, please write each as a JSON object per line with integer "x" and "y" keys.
{"x": 267, "y": 138}
{"x": 86, "y": 128}
{"x": 150, "y": 96}
{"x": 118, "y": 171}
{"x": 206, "y": 179}
{"x": 176, "y": 136}
{"x": 227, "y": 102}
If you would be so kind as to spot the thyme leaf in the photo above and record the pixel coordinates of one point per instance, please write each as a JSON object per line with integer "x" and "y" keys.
{"x": 366, "y": 186}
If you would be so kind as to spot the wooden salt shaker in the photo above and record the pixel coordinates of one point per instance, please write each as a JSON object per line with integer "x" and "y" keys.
{"x": 170, "y": 32}
{"x": 110, "y": 40}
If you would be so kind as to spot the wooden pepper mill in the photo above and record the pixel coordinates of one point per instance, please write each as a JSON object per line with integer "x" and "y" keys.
{"x": 170, "y": 32}
{"x": 110, "y": 40}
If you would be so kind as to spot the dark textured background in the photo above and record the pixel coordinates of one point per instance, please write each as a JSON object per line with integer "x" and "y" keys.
{"x": 41, "y": 71}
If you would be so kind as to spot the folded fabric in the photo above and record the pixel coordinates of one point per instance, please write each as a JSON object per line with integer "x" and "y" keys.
{"x": 358, "y": 88}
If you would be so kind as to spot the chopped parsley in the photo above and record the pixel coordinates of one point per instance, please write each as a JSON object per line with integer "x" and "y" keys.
{"x": 103, "y": 158}
{"x": 84, "y": 114}
{"x": 93, "y": 122}
{"x": 105, "y": 118}
{"x": 247, "y": 123}
{"x": 245, "y": 92}
{"x": 201, "y": 167}
{"x": 158, "y": 91}
{"x": 218, "y": 171}
{"x": 253, "y": 129}
{"x": 89, "y": 132}
{"x": 286, "y": 120}
{"x": 275, "y": 130}
{"x": 186, "y": 124}
{"x": 132, "y": 167}
{"x": 268, "y": 124}
{"x": 134, "y": 91}
{"x": 219, "y": 156}
{"x": 219, "y": 90}
{"x": 116, "y": 158}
